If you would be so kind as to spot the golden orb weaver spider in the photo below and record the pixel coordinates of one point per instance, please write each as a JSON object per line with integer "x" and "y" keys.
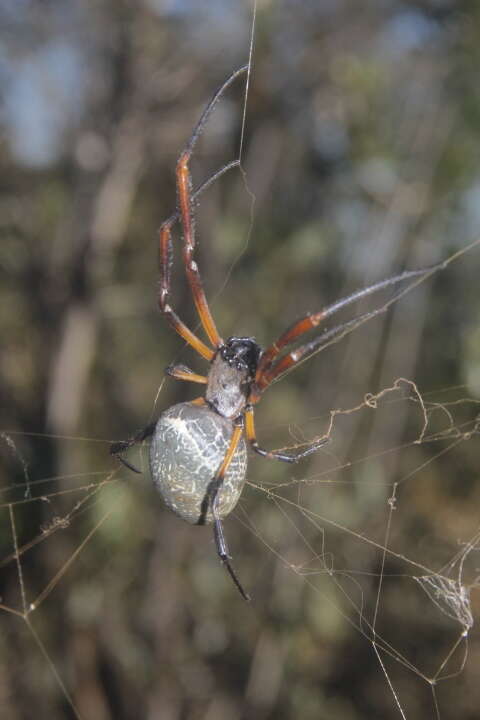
{"x": 198, "y": 455}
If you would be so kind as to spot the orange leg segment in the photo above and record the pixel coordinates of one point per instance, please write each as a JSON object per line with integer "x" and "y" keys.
{"x": 164, "y": 294}
{"x": 193, "y": 275}
{"x": 270, "y": 368}
{"x": 274, "y": 454}
{"x": 182, "y": 372}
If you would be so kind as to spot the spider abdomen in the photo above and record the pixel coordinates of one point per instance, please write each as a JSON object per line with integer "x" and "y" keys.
{"x": 187, "y": 449}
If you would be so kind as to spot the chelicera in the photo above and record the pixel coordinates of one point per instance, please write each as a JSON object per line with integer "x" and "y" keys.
{"x": 198, "y": 453}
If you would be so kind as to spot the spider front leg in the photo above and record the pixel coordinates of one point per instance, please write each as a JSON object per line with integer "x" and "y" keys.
{"x": 184, "y": 189}
{"x": 272, "y": 366}
{"x": 165, "y": 267}
{"x": 273, "y": 454}
{"x": 184, "y": 185}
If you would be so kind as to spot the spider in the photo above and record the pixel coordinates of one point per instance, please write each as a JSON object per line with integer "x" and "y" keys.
{"x": 198, "y": 453}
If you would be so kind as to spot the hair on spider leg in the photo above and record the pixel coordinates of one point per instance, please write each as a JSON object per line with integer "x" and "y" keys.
{"x": 198, "y": 453}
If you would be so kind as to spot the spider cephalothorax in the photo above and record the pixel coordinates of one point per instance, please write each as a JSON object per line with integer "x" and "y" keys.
{"x": 198, "y": 456}
{"x": 233, "y": 369}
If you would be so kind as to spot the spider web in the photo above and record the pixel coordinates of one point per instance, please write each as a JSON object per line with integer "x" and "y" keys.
{"x": 313, "y": 547}
{"x": 350, "y": 549}
{"x": 361, "y": 607}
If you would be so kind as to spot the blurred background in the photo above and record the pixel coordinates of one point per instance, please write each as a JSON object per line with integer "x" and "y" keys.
{"x": 361, "y": 158}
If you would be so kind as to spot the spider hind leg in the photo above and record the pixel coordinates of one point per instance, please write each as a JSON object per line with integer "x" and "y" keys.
{"x": 223, "y": 553}
{"x": 211, "y": 501}
{"x": 117, "y": 448}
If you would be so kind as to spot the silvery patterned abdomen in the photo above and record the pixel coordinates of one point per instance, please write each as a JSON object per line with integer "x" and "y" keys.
{"x": 187, "y": 449}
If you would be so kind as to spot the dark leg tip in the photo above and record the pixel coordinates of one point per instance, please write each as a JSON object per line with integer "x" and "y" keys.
{"x": 118, "y": 447}
{"x": 123, "y": 461}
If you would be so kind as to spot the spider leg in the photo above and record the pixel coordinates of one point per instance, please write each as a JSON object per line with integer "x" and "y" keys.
{"x": 184, "y": 189}
{"x": 210, "y": 501}
{"x": 274, "y": 454}
{"x": 302, "y": 353}
{"x": 223, "y": 554}
{"x": 165, "y": 263}
{"x": 117, "y": 448}
{"x": 198, "y": 401}
{"x": 165, "y": 266}
{"x": 184, "y": 184}
{"x": 182, "y": 372}
{"x": 186, "y": 201}
{"x": 270, "y": 368}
